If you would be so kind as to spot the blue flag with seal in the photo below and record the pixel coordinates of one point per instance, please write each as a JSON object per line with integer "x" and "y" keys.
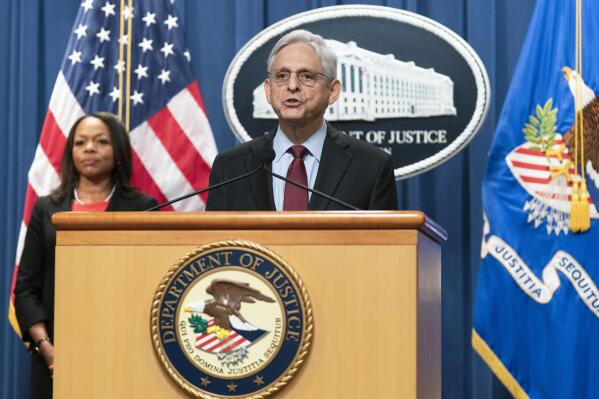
{"x": 536, "y": 312}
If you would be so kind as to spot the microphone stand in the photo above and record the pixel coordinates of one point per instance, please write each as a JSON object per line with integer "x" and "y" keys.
{"x": 217, "y": 185}
{"x": 330, "y": 198}
{"x": 265, "y": 157}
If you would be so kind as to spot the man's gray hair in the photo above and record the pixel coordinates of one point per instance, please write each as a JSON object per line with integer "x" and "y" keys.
{"x": 328, "y": 59}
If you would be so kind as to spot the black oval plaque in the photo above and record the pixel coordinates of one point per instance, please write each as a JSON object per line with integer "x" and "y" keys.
{"x": 410, "y": 85}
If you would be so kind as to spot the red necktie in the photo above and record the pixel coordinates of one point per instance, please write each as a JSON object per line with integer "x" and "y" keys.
{"x": 296, "y": 198}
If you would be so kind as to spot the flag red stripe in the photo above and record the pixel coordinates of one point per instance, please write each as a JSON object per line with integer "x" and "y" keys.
{"x": 217, "y": 344}
{"x": 52, "y": 141}
{"x": 194, "y": 89}
{"x": 538, "y": 153}
{"x": 211, "y": 345}
{"x": 205, "y": 343}
{"x": 215, "y": 347}
{"x": 143, "y": 181}
{"x": 30, "y": 198}
{"x": 224, "y": 342}
{"x": 530, "y": 179}
{"x": 234, "y": 345}
{"x": 527, "y": 165}
{"x": 13, "y": 283}
{"x": 181, "y": 149}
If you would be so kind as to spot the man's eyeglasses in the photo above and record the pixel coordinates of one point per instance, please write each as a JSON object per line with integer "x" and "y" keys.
{"x": 305, "y": 76}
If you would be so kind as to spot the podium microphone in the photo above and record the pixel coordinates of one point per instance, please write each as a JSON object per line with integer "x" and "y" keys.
{"x": 265, "y": 156}
{"x": 271, "y": 155}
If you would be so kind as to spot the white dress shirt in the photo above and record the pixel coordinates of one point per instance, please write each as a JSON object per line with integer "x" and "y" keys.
{"x": 283, "y": 159}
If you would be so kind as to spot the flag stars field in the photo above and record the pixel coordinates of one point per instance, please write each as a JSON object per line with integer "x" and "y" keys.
{"x": 119, "y": 66}
{"x": 171, "y": 22}
{"x": 165, "y": 76}
{"x": 128, "y": 13}
{"x": 115, "y": 94}
{"x": 103, "y": 35}
{"x": 108, "y": 9}
{"x": 141, "y": 72}
{"x": 93, "y": 88}
{"x": 97, "y": 62}
{"x": 87, "y": 5}
{"x": 146, "y": 45}
{"x": 81, "y": 31}
{"x": 137, "y": 97}
{"x": 167, "y": 49}
{"x": 75, "y": 57}
{"x": 149, "y": 19}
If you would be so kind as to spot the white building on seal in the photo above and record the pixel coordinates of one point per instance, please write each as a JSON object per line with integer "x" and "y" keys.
{"x": 376, "y": 86}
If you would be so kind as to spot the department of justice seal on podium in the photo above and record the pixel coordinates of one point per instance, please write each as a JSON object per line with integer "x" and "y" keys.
{"x": 231, "y": 319}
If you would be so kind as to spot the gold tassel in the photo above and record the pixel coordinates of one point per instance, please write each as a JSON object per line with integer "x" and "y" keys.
{"x": 584, "y": 217}
{"x": 574, "y": 209}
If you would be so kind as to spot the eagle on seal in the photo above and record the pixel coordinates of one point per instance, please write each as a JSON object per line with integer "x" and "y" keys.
{"x": 590, "y": 108}
{"x": 224, "y": 308}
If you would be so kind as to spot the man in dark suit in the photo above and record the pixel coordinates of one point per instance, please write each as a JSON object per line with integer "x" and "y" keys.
{"x": 300, "y": 86}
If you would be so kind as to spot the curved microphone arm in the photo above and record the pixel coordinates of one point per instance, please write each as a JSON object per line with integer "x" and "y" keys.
{"x": 330, "y": 198}
{"x": 217, "y": 185}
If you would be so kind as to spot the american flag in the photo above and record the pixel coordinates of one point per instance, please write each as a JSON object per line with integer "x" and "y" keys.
{"x": 173, "y": 145}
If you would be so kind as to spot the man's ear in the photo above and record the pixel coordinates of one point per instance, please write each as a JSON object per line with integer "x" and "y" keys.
{"x": 334, "y": 91}
{"x": 267, "y": 90}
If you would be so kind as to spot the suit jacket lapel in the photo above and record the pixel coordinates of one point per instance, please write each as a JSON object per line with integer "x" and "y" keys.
{"x": 261, "y": 182}
{"x": 333, "y": 164}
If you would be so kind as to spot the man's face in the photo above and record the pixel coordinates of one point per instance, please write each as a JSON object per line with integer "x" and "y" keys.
{"x": 296, "y": 104}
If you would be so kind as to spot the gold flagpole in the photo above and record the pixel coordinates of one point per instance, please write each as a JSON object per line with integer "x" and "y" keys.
{"x": 128, "y": 64}
{"x": 579, "y": 210}
{"x": 120, "y": 70}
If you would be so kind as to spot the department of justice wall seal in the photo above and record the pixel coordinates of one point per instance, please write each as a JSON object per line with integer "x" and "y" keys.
{"x": 409, "y": 85}
{"x": 231, "y": 319}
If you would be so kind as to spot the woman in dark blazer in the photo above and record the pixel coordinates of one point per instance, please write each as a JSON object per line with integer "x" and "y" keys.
{"x": 95, "y": 174}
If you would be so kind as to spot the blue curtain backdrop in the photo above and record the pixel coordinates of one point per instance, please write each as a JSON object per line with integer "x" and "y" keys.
{"x": 33, "y": 38}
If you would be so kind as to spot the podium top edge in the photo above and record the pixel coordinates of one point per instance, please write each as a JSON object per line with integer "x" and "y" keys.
{"x": 310, "y": 220}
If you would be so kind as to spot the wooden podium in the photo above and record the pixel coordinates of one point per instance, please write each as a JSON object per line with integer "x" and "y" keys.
{"x": 374, "y": 279}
